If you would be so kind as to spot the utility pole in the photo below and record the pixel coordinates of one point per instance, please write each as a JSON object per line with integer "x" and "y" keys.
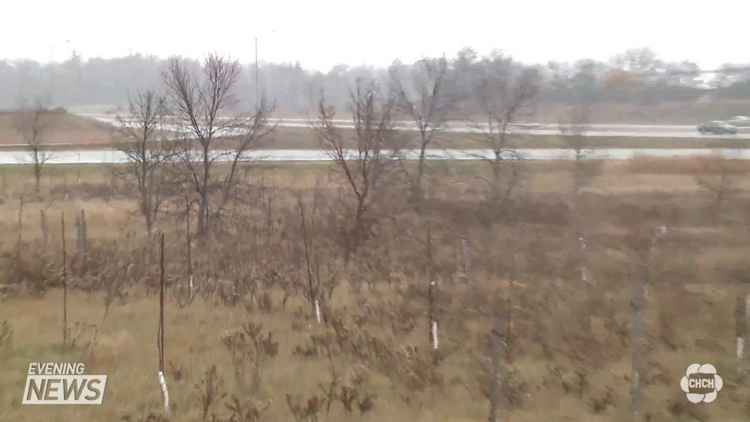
{"x": 257, "y": 73}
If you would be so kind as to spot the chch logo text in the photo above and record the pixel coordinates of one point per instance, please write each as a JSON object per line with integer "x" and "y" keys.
{"x": 701, "y": 383}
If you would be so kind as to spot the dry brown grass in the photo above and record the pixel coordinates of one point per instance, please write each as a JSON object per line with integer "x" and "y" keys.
{"x": 566, "y": 354}
{"x": 68, "y": 129}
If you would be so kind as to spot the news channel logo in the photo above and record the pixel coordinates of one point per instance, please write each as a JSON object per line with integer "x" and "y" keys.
{"x": 63, "y": 383}
{"x": 701, "y": 383}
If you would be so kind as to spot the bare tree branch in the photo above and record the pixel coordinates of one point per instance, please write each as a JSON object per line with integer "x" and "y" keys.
{"x": 504, "y": 99}
{"x": 33, "y": 123}
{"x": 420, "y": 96}
{"x": 202, "y": 106}
{"x": 367, "y": 169}
{"x": 573, "y": 129}
{"x": 140, "y": 136}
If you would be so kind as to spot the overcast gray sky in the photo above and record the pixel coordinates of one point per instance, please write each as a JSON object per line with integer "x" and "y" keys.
{"x": 323, "y": 33}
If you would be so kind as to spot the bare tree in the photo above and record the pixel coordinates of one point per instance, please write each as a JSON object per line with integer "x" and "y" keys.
{"x": 33, "y": 122}
{"x": 202, "y": 104}
{"x": 719, "y": 176}
{"x": 420, "y": 96}
{"x": 309, "y": 229}
{"x": 504, "y": 98}
{"x": 140, "y": 136}
{"x": 573, "y": 129}
{"x": 366, "y": 169}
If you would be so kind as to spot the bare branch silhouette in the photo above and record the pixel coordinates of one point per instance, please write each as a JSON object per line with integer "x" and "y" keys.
{"x": 140, "y": 136}
{"x": 369, "y": 167}
{"x": 420, "y": 96}
{"x": 33, "y": 123}
{"x": 202, "y": 106}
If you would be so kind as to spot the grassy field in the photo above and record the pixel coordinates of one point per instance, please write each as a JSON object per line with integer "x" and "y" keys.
{"x": 566, "y": 349}
{"x": 67, "y": 129}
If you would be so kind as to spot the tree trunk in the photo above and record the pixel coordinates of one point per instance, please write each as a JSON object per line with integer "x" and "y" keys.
{"x": 642, "y": 274}
{"x": 740, "y": 318}
{"x": 496, "y": 374}
{"x": 149, "y": 224}
{"x": 37, "y": 177}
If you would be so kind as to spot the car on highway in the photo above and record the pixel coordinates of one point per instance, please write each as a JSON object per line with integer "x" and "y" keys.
{"x": 717, "y": 127}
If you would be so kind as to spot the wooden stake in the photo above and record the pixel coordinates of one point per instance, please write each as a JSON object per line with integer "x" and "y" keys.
{"x": 160, "y": 336}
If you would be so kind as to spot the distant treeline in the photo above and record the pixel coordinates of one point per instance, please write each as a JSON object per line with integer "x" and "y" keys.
{"x": 637, "y": 76}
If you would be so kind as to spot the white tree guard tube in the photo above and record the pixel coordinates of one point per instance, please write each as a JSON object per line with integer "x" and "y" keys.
{"x": 164, "y": 391}
{"x": 317, "y": 310}
{"x": 584, "y": 270}
{"x": 740, "y": 351}
{"x": 434, "y": 335}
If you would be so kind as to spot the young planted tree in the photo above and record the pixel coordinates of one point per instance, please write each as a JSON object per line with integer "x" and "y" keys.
{"x": 141, "y": 138}
{"x": 496, "y": 384}
{"x": 33, "y": 124}
{"x": 719, "y": 176}
{"x": 202, "y": 105}
{"x": 367, "y": 169}
{"x": 309, "y": 230}
{"x": 505, "y": 96}
{"x": 419, "y": 93}
{"x": 160, "y": 333}
{"x": 638, "y": 304}
{"x": 573, "y": 129}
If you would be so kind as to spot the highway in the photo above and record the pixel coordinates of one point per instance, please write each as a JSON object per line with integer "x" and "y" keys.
{"x": 112, "y": 156}
{"x": 535, "y": 129}
{"x": 106, "y": 155}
